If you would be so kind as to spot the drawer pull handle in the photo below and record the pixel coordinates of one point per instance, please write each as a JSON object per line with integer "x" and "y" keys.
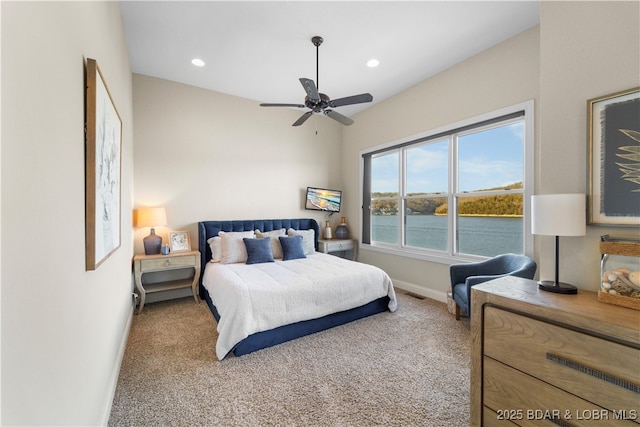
{"x": 594, "y": 373}
{"x": 167, "y": 262}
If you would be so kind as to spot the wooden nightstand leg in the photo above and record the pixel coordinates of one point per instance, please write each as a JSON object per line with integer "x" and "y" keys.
{"x": 194, "y": 286}
{"x": 138, "y": 281}
{"x": 141, "y": 303}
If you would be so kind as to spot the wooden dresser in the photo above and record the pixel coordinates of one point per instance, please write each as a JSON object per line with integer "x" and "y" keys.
{"x": 545, "y": 359}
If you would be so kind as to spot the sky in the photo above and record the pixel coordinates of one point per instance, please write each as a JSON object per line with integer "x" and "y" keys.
{"x": 487, "y": 159}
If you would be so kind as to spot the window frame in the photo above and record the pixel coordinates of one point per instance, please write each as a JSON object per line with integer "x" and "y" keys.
{"x": 524, "y": 110}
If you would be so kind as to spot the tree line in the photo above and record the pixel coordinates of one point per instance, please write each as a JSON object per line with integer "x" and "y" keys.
{"x": 490, "y": 205}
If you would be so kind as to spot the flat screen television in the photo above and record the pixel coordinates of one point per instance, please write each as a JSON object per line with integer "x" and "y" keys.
{"x": 323, "y": 199}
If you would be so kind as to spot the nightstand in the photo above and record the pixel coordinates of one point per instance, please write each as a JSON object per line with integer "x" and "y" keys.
{"x": 339, "y": 245}
{"x": 143, "y": 264}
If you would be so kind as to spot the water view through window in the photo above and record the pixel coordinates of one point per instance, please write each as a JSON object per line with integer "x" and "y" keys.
{"x": 479, "y": 170}
{"x": 483, "y": 236}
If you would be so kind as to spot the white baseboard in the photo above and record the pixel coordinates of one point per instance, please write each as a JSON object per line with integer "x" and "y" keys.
{"x": 115, "y": 372}
{"x": 419, "y": 290}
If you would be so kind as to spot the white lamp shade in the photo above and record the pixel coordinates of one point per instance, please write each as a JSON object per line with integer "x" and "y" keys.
{"x": 151, "y": 217}
{"x": 558, "y": 214}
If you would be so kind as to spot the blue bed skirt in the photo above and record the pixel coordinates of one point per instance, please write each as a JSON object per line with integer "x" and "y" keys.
{"x": 285, "y": 333}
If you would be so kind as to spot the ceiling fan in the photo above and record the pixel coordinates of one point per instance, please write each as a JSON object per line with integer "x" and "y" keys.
{"x": 319, "y": 102}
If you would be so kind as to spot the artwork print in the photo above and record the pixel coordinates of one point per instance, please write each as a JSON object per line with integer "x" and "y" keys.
{"x": 179, "y": 241}
{"x": 102, "y": 165}
{"x": 614, "y": 138}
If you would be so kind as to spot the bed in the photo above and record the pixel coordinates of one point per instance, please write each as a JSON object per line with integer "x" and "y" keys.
{"x": 261, "y": 304}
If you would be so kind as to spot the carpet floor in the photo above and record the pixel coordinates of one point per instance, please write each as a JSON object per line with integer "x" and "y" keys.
{"x": 408, "y": 368}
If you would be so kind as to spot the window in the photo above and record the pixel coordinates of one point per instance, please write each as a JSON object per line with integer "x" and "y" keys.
{"x": 455, "y": 193}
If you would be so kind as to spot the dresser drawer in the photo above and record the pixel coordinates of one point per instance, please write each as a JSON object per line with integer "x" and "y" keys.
{"x": 601, "y": 371}
{"x": 531, "y": 402}
{"x": 156, "y": 264}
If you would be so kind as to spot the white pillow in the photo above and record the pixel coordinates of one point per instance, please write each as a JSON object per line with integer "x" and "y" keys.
{"x": 216, "y": 249}
{"x": 232, "y": 245}
{"x": 308, "y": 239}
{"x": 276, "y": 248}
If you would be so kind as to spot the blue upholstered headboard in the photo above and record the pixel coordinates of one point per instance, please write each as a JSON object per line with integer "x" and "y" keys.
{"x": 208, "y": 229}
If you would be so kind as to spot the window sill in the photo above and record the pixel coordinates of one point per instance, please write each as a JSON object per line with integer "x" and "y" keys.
{"x": 440, "y": 258}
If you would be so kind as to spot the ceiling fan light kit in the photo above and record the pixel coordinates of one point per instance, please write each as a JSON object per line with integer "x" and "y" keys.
{"x": 318, "y": 102}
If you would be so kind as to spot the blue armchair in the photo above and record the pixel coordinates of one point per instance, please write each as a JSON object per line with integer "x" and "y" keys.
{"x": 464, "y": 276}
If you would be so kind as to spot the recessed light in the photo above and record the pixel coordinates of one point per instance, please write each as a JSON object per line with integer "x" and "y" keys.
{"x": 372, "y": 63}
{"x": 197, "y": 62}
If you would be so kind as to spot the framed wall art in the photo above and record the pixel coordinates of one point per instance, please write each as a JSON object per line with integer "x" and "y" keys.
{"x": 102, "y": 169}
{"x": 614, "y": 154}
{"x": 179, "y": 241}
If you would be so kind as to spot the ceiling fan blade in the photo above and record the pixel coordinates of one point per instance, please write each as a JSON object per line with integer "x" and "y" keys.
{"x": 355, "y": 99}
{"x": 303, "y": 118}
{"x": 311, "y": 89}
{"x": 282, "y": 105}
{"x": 338, "y": 117}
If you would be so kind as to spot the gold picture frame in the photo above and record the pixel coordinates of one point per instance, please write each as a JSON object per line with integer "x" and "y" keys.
{"x": 614, "y": 158}
{"x": 103, "y": 164}
{"x": 179, "y": 241}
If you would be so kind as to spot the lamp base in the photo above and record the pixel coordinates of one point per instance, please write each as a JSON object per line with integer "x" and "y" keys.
{"x": 152, "y": 243}
{"x": 557, "y": 287}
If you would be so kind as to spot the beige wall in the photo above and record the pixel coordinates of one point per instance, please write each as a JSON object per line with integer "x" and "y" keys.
{"x": 589, "y": 49}
{"x": 206, "y": 155}
{"x": 203, "y": 155}
{"x": 502, "y": 76}
{"x": 581, "y": 50}
{"x": 62, "y": 327}
{"x": 546, "y": 64}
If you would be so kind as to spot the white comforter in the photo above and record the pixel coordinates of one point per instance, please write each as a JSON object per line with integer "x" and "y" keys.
{"x": 259, "y": 297}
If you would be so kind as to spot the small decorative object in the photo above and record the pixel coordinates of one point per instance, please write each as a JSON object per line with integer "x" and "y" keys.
{"x": 558, "y": 215}
{"x": 103, "y": 130}
{"x": 165, "y": 249}
{"x": 151, "y": 217}
{"x": 327, "y": 231}
{"x": 342, "y": 231}
{"x": 614, "y": 135}
{"x": 179, "y": 241}
{"x": 620, "y": 271}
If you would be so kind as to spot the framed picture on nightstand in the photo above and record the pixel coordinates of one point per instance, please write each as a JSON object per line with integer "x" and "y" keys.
{"x": 179, "y": 241}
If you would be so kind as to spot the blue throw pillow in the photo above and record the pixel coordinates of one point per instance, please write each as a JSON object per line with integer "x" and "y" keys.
{"x": 258, "y": 250}
{"x": 292, "y": 247}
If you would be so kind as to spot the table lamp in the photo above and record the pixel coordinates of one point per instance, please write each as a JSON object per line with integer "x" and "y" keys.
{"x": 558, "y": 215}
{"x": 151, "y": 217}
